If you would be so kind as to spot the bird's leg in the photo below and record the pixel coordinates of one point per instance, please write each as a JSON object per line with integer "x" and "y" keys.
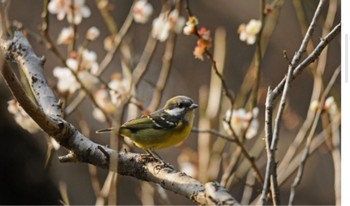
{"x": 154, "y": 155}
{"x": 157, "y": 157}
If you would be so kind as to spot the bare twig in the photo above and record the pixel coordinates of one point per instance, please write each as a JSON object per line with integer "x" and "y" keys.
{"x": 104, "y": 7}
{"x": 268, "y": 139}
{"x": 307, "y": 61}
{"x": 336, "y": 159}
{"x": 117, "y": 40}
{"x": 258, "y": 55}
{"x": 248, "y": 189}
{"x": 316, "y": 143}
{"x": 214, "y": 133}
{"x": 317, "y": 85}
{"x": 145, "y": 59}
{"x": 45, "y": 25}
{"x": 164, "y": 73}
{"x": 294, "y": 62}
{"x": 306, "y": 150}
{"x": 4, "y": 24}
{"x": 229, "y": 172}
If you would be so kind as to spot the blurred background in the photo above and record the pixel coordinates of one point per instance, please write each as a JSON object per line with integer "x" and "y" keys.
{"x": 23, "y": 178}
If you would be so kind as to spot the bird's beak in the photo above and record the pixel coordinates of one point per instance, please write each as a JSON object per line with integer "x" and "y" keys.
{"x": 193, "y": 106}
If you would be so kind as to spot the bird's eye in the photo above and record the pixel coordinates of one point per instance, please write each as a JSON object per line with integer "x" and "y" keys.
{"x": 181, "y": 105}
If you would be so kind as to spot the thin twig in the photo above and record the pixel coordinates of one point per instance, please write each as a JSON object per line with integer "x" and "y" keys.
{"x": 336, "y": 155}
{"x": 4, "y": 30}
{"x": 117, "y": 40}
{"x": 227, "y": 92}
{"x": 294, "y": 62}
{"x": 306, "y": 150}
{"x": 248, "y": 189}
{"x": 164, "y": 73}
{"x": 307, "y": 61}
{"x": 45, "y": 25}
{"x": 258, "y": 55}
{"x": 268, "y": 139}
{"x": 145, "y": 59}
{"x": 214, "y": 133}
{"x": 229, "y": 172}
{"x": 104, "y": 7}
{"x": 317, "y": 83}
{"x": 317, "y": 142}
{"x": 166, "y": 68}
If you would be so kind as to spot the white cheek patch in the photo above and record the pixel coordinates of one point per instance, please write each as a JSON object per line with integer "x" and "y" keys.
{"x": 175, "y": 111}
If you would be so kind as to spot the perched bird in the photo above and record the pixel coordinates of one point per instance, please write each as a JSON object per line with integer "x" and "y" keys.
{"x": 161, "y": 129}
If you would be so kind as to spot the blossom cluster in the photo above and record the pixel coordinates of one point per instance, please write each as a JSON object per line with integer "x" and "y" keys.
{"x": 84, "y": 67}
{"x": 166, "y": 23}
{"x": 74, "y": 10}
{"x": 142, "y": 11}
{"x": 248, "y": 32}
{"x": 204, "y": 40}
{"x": 242, "y": 122}
{"x": 109, "y": 98}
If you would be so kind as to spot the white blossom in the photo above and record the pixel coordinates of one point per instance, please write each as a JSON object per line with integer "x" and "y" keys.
{"x": 88, "y": 62}
{"x": 248, "y": 32}
{"x": 160, "y": 28}
{"x": 240, "y": 119}
{"x": 74, "y": 12}
{"x": 87, "y": 68}
{"x": 190, "y": 27}
{"x": 66, "y": 36}
{"x": 66, "y": 80}
{"x": 142, "y": 11}
{"x": 164, "y": 24}
{"x": 104, "y": 101}
{"x": 92, "y": 33}
{"x": 119, "y": 87}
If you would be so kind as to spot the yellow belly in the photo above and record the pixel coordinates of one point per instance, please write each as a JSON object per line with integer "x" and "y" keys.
{"x": 159, "y": 139}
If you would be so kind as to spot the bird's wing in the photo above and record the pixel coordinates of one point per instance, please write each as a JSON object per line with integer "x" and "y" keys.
{"x": 157, "y": 120}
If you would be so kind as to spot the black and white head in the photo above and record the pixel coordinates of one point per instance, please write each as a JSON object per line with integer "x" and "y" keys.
{"x": 179, "y": 106}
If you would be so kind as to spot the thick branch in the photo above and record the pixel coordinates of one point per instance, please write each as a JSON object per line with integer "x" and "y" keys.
{"x": 18, "y": 51}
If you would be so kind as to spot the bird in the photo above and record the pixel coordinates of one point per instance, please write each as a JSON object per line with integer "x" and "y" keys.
{"x": 161, "y": 129}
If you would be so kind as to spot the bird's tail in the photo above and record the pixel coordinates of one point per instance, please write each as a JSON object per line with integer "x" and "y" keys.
{"x": 105, "y": 130}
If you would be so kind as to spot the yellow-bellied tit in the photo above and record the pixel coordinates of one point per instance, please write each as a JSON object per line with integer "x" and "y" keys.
{"x": 163, "y": 128}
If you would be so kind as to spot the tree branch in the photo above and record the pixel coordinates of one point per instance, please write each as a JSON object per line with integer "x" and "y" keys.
{"x": 19, "y": 52}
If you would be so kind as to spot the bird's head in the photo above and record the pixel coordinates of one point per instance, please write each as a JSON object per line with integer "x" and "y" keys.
{"x": 180, "y": 106}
